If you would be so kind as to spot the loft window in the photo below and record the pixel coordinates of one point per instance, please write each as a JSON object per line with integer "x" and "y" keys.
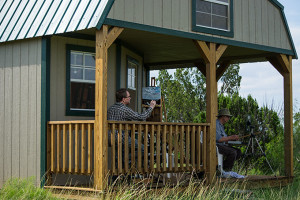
{"x": 80, "y": 81}
{"x": 213, "y": 16}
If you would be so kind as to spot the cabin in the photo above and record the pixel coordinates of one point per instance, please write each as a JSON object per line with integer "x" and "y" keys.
{"x": 61, "y": 63}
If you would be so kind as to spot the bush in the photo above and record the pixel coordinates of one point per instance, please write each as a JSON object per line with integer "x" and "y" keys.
{"x": 23, "y": 189}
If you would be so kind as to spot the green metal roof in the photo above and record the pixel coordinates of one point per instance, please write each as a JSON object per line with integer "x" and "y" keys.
{"x": 20, "y": 19}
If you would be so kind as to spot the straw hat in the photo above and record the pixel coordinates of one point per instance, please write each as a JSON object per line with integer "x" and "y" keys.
{"x": 224, "y": 112}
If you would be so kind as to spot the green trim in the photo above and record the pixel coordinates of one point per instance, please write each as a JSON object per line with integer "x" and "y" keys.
{"x": 105, "y": 13}
{"x": 70, "y": 112}
{"x": 225, "y": 33}
{"x": 276, "y": 3}
{"x": 45, "y": 103}
{"x": 135, "y": 61}
{"x": 118, "y": 64}
{"x": 194, "y": 36}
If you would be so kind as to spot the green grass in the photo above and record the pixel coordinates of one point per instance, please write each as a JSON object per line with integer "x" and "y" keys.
{"x": 25, "y": 189}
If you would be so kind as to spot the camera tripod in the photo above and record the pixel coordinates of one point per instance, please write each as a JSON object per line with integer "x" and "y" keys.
{"x": 251, "y": 143}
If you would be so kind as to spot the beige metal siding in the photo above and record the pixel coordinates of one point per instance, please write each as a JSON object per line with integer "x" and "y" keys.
{"x": 255, "y": 21}
{"x": 20, "y": 109}
{"x": 58, "y": 77}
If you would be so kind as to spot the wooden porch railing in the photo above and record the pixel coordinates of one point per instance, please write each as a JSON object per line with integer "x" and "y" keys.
{"x": 168, "y": 147}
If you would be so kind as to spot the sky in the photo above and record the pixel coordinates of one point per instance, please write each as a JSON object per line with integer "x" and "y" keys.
{"x": 262, "y": 80}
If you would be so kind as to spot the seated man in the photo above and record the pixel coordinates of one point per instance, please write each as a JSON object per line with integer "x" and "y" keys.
{"x": 120, "y": 112}
{"x": 231, "y": 154}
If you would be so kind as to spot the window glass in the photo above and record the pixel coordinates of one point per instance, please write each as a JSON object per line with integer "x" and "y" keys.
{"x": 213, "y": 14}
{"x": 131, "y": 77}
{"x": 82, "y": 80}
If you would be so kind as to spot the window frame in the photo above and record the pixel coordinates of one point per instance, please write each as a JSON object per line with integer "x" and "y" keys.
{"x": 212, "y": 30}
{"x": 69, "y": 111}
{"x": 136, "y": 62}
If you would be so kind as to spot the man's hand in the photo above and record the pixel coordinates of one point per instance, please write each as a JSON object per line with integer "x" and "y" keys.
{"x": 233, "y": 137}
{"x": 152, "y": 104}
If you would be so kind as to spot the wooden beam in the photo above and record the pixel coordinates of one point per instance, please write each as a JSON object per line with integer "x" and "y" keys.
{"x": 203, "y": 50}
{"x": 220, "y": 51}
{"x": 104, "y": 39}
{"x": 221, "y": 69}
{"x": 274, "y": 61}
{"x": 288, "y": 119}
{"x": 284, "y": 62}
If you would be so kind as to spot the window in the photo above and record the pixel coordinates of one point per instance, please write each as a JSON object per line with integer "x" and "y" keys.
{"x": 80, "y": 81}
{"x": 132, "y": 68}
{"x": 213, "y": 16}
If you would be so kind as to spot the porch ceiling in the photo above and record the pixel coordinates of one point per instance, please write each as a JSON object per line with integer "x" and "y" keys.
{"x": 161, "y": 50}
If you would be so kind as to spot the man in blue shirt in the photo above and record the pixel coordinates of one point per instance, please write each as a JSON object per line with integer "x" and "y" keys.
{"x": 230, "y": 154}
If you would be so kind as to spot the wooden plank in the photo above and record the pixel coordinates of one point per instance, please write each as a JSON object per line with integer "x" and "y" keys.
{"x": 89, "y": 167}
{"x": 176, "y": 149}
{"x": 187, "y": 148}
{"x": 222, "y": 69}
{"x": 120, "y": 156}
{"x": 167, "y": 14}
{"x": 83, "y": 148}
{"x": 16, "y": 90}
{"x": 170, "y": 144}
{"x": 58, "y": 151}
{"x": 271, "y": 24}
{"x": 164, "y": 147}
{"x": 113, "y": 148}
{"x": 8, "y": 86}
{"x": 158, "y": 151}
{"x": 245, "y": 21}
{"x": 264, "y": 26}
{"x": 204, "y": 147}
{"x": 113, "y": 35}
{"x": 73, "y": 122}
{"x": 175, "y": 9}
{"x": 184, "y": 15}
{"x": 182, "y": 156}
{"x": 129, "y": 10}
{"x": 126, "y": 156}
{"x": 148, "y": 12}
{"x": 157, "y": 13}
{"x": 203, "y": 50}
{"x": 2, "y": 116}
{"x": 155, "y": 123}
{"x": 193, "y": 154}
{"x": 146, "y": 149}
{"x": 258, "y": 21}
{"x": 288, "y": 121}
{"x": 133, "y": 148}
{"x": 64, "y": 156}
{"x": 71, "y": 142}
{"x": 138, "y": 11}
{"x": 139, "y": 148}
{"x": 76, "y": 135}
{"x": 100, "y": 133}
{"x": 152, "y": 149}
{"x": 220, "y": 51}
{"x": 251, "y": 22}
{"x": 52, "y": 149}
{"x": 237, "y": 20}
{"x": 198, "y": 148}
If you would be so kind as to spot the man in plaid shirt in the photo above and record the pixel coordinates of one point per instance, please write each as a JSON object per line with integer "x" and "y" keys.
{"x": 120, "y": 112}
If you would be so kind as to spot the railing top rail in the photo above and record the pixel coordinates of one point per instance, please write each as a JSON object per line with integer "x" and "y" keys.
{"x": 158, "y": 123}
{"x": 128, "y": 122}
{"x": 72, "y": 122}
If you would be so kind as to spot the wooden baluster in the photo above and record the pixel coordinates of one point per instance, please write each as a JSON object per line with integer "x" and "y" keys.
{"x": 170, "y": 143}
{"x": 176, "y": 148}
{"x": 139, "y": 148}
{"x": 193, "y": 149}
{"x": 83, "y": 148}
{"x": 158, "y": 151}
{"x": 126, "y": 149}
{"x": 76, "y": 148}
{"x": 164, "y": 148}
{"x": 146, "y": 148}
{"x": 198, "y": 149}
{"x": 58, "y": 153}
{"x": 70, "y": 148}
{"x": 120, "y": 149}
{"x": 204, "y": 146}
{"x": 182, "y": 156}
{"x": 187, "y": 137}
{"x": 89, "y": 170}
{"x": 113, "y": 148}
{"x": 152, "y": 149}
{"x": 64, "y": 149}
{"x": 133, "y": 148}
{"x": 52, "y": 149}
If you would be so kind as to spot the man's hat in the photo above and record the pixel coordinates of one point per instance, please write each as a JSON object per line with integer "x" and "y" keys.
{"x": 224, "y": 112}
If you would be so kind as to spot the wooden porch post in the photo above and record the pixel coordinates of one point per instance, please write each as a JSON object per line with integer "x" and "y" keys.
{"x": 104, "y": 38}
{"x": 211, "y": 54}
{"x": 283, "y": 64}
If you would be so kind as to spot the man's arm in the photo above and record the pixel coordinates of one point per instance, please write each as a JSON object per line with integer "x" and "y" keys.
{"x": 135, "y": 116}
{"x": 229, "y": 138}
